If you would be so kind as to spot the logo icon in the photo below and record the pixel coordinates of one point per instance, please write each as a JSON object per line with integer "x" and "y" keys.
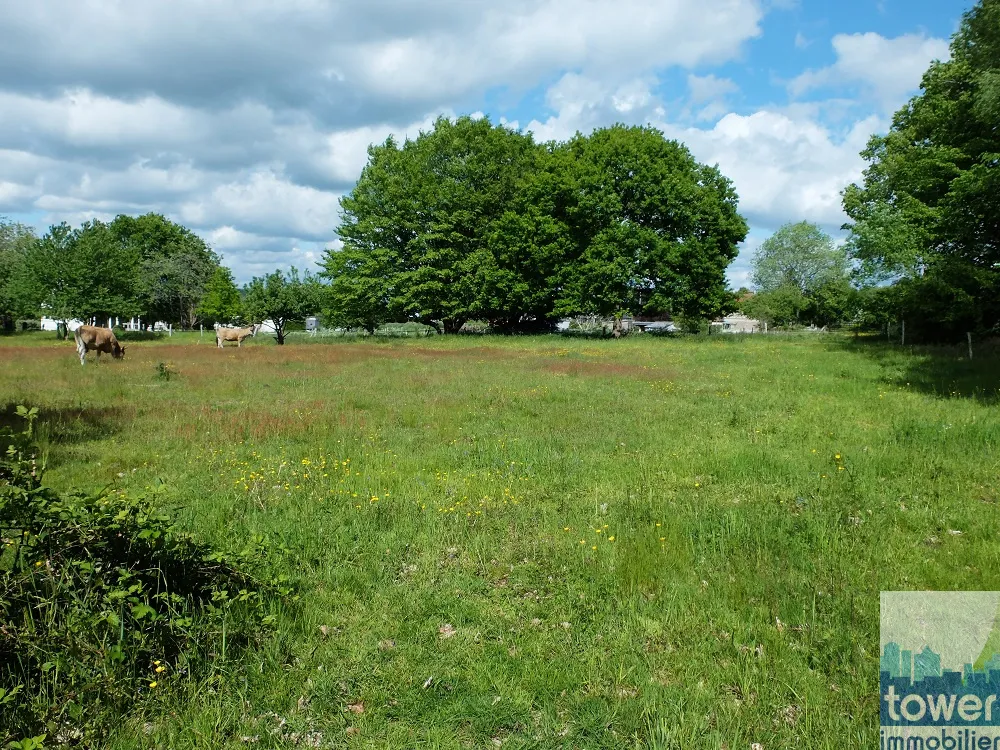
{"x": 940, "y": 670}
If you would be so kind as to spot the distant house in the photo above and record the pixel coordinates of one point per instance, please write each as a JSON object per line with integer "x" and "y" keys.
{"x": 737, "y": 323}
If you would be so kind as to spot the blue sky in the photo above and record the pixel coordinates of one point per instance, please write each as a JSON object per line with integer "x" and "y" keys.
{"x": 247, "y": 119}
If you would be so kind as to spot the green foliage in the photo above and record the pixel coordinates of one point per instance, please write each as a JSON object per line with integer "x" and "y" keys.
{"x": 803, "y": 278}
{"x": 474, "y": 221}
{"x": 931, "y": 192}
{"x": 221, "y": 302}
{"x": 282, "y": 299}
{"x": 144, "y": 265}
{"x": 653, "y": 229}
{"x": 782, "y": 306}
{"x": 176, "y": 266}
{"x": 800, "y": 255}
{"x": 104, "y": 601}
{"x": 16, "y": 240}
{"x": 419, "y": 227}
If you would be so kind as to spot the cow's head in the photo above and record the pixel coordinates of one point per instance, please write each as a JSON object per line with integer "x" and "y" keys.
{"x": 118, "y": 352}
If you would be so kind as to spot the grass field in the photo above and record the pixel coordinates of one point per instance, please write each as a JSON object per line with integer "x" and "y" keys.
{"x": 545, "y": 542}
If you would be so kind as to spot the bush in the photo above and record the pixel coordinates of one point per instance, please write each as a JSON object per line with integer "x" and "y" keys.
{"x": 103, "y": 601}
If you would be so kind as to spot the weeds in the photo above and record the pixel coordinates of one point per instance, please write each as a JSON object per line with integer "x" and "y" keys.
{"x": 103, "y": 601}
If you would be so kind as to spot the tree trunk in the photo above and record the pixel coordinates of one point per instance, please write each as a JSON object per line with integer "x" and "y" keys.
{"x": 279, "y": 335}
{"x": 453, "y": 325}
{"x": 616, "y": 328}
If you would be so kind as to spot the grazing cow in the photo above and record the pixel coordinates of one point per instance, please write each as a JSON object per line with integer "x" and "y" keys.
{"x": 92, "y": 338}
{"x": 234, "y": 334}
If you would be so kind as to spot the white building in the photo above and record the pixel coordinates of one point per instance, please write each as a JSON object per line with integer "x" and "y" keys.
{"x": 738, "y": 323}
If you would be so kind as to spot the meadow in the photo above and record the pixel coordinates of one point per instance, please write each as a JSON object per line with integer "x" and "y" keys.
{"x": 543, "y": 542}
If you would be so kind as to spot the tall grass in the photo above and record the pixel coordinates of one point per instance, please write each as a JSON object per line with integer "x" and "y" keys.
{"x": 546, "y": 542}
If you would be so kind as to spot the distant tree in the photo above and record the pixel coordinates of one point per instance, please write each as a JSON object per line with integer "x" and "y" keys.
{"x": 475, "y": 221}
{"x": 221, "y": 302}
{"x": 282, "y": 299}
{"x": 176, "y": 266}
{"x": 16, "y": 241}
{"x": 80, "y": 273}
{"x": 654, "y": 230}
{"x": 802, "y": 277}
{"x": 927, "y": 214}
{"x": 800, "y": 255}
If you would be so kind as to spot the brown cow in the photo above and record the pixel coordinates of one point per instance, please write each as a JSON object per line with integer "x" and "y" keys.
{"x": 92, "y": 338}
{"x": 234, "y": 334}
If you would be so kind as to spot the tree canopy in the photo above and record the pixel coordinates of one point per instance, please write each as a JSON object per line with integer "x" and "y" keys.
{"x": 282, "y": 299}
{"x": 16, "y": 241}
{"x": 473, "y": 220}
{"x": 928, "y": 210}
{"x": 222, "y": 302}
{"x": 132, "y": 266}
{"x": 800, "y": 255}
{"x": 801, "y": 277}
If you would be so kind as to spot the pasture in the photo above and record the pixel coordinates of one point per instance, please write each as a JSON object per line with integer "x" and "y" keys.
{"x": 544, "y": 542}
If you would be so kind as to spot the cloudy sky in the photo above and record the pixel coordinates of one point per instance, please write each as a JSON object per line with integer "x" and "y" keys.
{"x": 246, "y": 119}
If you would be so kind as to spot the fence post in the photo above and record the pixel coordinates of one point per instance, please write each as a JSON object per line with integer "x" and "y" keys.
{"x": 968, "y": 335}
{"x": 902, "y": 340}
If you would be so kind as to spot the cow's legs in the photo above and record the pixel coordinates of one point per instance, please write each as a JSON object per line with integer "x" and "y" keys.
{"x": 81, "y": 349}
{"x": 218, "y": 341}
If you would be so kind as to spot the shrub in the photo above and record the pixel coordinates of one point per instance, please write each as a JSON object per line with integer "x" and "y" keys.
{"x": 103, "y": 601}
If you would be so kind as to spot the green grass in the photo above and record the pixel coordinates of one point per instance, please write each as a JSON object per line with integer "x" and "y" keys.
{"x": 545, "y": 542}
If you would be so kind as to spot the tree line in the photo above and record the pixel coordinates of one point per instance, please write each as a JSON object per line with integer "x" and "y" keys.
{"x": 144, "y": 267}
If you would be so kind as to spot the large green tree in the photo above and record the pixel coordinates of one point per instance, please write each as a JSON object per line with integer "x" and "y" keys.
{"x": 800, "y": 255}
{"x": 176, "y": 266}
{"x": 80, "y": 273}
{"x": 653, "y": 229}
{"x": 928, "y": 210}
{"x": 801, "y": 277}
{"x": 473, "y": 220}
{"x": 282, "y": 299}
{"x": 417, "y": 227}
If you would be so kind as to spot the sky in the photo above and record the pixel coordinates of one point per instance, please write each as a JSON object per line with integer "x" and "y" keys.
{"x": 246, "y": 120}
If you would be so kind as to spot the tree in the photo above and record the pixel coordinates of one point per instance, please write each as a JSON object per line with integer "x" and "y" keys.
{"x": 929, "y": 204}
{"x": 782, "y": 306}
{"x": 653, "y": 230}
{"x": 801, "y": 277}
{"x": 176, "y": 266}
{"x": 16, "y": 241}
{"x": 417, "y": 227}
{"x": 800, "y": 255}
{"x": 80, "y": 273}
{"x": 473, "y": 220}
{"x": 221, "y": 302}
{"x": 281, "y": 299}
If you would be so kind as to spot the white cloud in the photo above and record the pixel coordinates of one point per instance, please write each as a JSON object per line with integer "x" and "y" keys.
{"x": 707, "y": 88}
{"x": 886, "y": 69}
{"x": 266, "y": 202}
{"x": 333, "y": 57}
{"x": 784, "y": 168}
